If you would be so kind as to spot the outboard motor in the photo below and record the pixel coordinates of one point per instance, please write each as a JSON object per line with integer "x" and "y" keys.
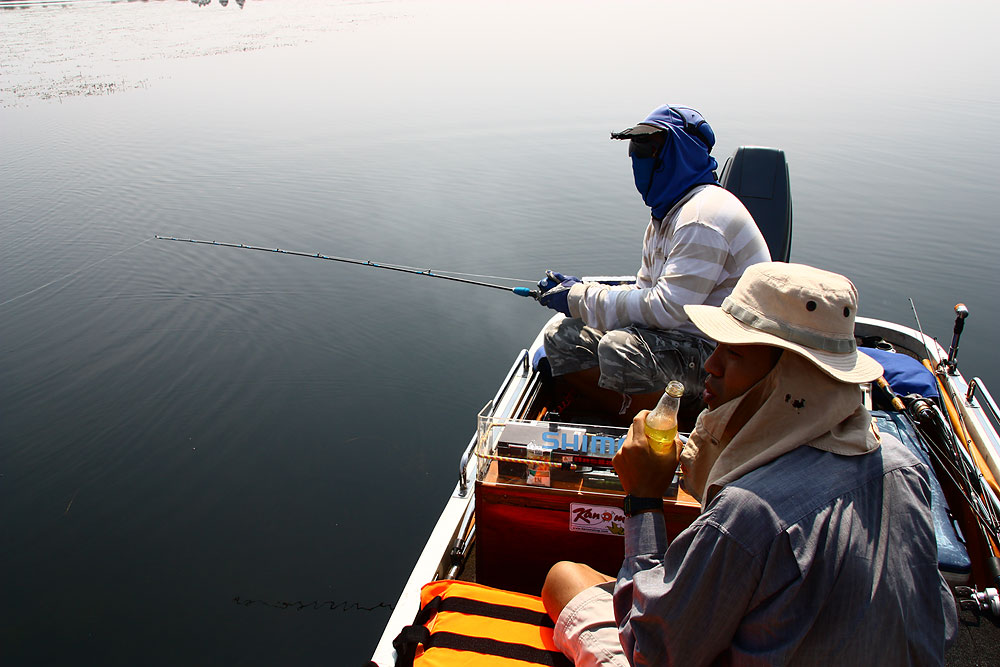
{"x": 758, "y": 176}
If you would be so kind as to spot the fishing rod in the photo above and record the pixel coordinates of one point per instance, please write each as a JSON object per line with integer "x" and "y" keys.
{"x": 957, "y": 455}
{"x": 932, "y": 427}
{"x": 941, "y": 442}
{"x": 520, "y": 291}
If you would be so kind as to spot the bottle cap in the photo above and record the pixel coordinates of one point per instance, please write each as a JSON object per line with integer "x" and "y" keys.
{"x": 674, "y": 389}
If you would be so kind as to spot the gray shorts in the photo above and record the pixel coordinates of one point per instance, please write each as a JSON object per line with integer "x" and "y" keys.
{"x": 632, "y": 360}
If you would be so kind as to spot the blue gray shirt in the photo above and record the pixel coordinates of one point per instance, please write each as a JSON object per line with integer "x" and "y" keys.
{"x": 814, "y": 558}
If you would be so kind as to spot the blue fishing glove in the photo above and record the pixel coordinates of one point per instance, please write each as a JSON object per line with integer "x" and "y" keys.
{"x": 553, "y": 279}
{"x": 556, "y": 297}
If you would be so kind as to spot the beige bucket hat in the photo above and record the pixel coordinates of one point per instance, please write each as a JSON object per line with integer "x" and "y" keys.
{"x": 796, "y": 307}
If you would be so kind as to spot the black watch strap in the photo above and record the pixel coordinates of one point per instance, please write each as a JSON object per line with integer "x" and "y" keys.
{"x": 636, "y": 504}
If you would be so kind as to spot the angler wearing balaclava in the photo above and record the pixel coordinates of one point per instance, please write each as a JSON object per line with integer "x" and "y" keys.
{"x": 628, "y": 341}
{"x": 670, "y": 153}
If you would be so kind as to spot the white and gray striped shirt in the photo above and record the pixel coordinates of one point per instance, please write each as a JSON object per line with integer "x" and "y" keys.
{"x": 693, "y": 256}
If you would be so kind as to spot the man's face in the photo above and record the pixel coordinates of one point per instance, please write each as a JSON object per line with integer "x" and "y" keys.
{"x": 645, "y": 151}
{"x": 645, "y": 146}
{"x": 732, "y": 369}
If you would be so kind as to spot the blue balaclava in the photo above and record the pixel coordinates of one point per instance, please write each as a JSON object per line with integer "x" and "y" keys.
{"x": 684, "y": 161}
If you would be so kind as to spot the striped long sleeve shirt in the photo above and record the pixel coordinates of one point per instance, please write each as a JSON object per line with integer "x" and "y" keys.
{"x": 693, "y": 256}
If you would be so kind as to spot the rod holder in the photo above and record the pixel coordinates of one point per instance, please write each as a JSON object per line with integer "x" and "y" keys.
{"x": 961, "y": 312}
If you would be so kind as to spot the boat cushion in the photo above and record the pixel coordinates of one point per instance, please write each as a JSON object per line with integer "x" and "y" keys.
{"x": 953, "y": 558}
{"x": 468, "y": 624}
{"x": 905, "y": 374}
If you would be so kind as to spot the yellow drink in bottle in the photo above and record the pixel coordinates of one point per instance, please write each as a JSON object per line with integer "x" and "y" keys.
{"x": 661, "y": 423}
{"x": 661, "y": 437}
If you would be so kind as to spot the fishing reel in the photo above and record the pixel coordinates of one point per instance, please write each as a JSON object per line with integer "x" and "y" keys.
{"x": 985, "y": 601}
{"x": 921, "y": 409}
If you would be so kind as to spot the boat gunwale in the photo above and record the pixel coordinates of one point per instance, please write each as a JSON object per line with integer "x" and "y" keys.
{"x": 431, "y": 563}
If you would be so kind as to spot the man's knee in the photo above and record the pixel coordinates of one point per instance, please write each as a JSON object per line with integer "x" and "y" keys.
{"x": 564, "y": 581}
{"x": 570, "y": 345}
{"x": 557, "y": 586}
{"x": 641, "y": 361}
{"x": 558, "y": 574}
{"x": 627, "y": 365}
{"x": 616, "y": 339}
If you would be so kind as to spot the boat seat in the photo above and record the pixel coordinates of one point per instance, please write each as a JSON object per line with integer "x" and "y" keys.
{"x": 758, "y": 176}
{"x": 953, "y": 557}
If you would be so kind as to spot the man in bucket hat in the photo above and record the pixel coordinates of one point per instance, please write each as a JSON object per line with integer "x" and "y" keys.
{"x": 621, "y": 345}
{"x": 815, "y": 543}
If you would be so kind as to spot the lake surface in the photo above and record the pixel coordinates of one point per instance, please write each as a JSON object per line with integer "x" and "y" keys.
{"x": 217, "y": 456}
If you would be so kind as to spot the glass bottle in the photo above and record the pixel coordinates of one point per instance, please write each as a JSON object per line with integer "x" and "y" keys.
{"x": 661, "y": 423}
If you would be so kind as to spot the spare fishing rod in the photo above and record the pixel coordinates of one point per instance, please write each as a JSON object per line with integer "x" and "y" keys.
{"x": 946, "y": 440}
{"x": 931, "y": 422}
{"x": 520, "y": 291}
{"x": 980, "y": 481}
{"x": 955, "y": 453}
{"x": 942, "y": 444}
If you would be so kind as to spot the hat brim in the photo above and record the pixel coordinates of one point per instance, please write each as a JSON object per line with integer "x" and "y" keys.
{"x": 855, "y": 367}
{"x": 638, "y": 131}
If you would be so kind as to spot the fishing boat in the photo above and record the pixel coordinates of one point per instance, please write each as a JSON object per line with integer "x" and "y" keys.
{"x": 535, "y": 483}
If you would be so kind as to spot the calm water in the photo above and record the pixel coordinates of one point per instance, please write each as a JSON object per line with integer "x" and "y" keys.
{"x": 192, "y": 437}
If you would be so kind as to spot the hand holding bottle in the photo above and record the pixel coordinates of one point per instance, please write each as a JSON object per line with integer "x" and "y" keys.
{"x": 642, "y": 470}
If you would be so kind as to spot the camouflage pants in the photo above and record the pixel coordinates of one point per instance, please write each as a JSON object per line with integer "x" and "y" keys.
{"x": 632, "y": 360}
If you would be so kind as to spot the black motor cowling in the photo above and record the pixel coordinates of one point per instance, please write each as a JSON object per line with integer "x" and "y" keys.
{"x": 758, "y": 176}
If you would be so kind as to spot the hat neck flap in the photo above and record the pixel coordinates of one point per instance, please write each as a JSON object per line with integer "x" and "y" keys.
{"x": 795, "y": 404}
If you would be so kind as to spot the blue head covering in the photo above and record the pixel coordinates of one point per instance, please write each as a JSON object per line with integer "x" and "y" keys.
{"x": 684, "y": 161}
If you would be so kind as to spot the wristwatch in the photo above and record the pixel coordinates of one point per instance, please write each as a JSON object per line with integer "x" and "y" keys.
{"x": 636, "y": 504}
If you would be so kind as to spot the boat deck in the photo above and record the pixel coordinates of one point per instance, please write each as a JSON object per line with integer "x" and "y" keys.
{"x": 978, "y": 640}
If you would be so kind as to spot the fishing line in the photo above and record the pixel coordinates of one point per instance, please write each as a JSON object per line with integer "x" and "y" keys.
{"x": 957, "y": 471}
{"x": 993, "y": 506}
{"x": 520, "y": 291}
{"x": 965, "y": 439}
{"x": 315, "y": 605}
{"x": 959, "y": 467}
{"x": 73, "y": 273}
{"x": 923, "y": 338}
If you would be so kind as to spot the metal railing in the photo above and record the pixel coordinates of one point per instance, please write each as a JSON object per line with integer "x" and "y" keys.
{"x": 991, "y": 405}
